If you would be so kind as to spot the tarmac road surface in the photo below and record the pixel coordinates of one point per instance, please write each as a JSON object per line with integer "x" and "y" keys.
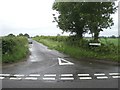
{"x": 46, "y": 68}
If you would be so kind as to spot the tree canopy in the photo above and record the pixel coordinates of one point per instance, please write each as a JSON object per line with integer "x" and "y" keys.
{"x": 11, "y": 35}
{"x": 81, "y": 17}
{"x": 26, "y": 35}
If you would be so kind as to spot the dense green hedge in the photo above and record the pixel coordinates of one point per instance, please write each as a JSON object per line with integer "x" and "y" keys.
{"x": 14, "y": 48}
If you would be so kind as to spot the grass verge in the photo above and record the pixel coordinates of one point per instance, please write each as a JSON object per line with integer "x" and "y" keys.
{"x": 76, "y": 52}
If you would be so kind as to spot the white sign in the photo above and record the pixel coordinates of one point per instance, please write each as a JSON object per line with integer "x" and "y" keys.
{"x": 97, "y": 44}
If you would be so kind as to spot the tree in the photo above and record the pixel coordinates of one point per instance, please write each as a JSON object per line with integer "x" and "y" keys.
{"x": 11, "y": 35}
{"x": 26, "y": 35}
{"x": 84, "y": 16}
{"x": 113, "y": 36}
{"x": 98, "y": 16}
{"x": 20, "y": 34}
{"x": 58, "y": 34}
{"x": 69, "y": 19}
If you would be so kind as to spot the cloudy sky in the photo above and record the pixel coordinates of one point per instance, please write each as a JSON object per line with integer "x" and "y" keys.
{"x": 35, "y": 18}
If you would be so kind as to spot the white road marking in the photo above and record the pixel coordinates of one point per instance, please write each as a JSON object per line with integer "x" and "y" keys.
{"x": 4, "y": 74}
{"x": 116, "y": 76}
{"x": 66, "y": 75}
{"x": 48, "y": 78}
{"x": 19, "y": 75}
{"x": 65, "y": 62}
{"x": 50, "y": 75}
{"x": 104, "y": 77}
{"x": 83, "y": 75}
{"x": 67, "y": 78}
{"x": 34, "y": 75}
{"x": 31, "y": 78}
{"x": 114, "y": 73}
{"x": 12, "y": 78}
{"x": 99, "y": 74}
{"x": 85, "y": 78}
{"x": 2, "y": 77}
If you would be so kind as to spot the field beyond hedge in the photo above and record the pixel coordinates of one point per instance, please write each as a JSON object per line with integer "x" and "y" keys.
{"x": 14, "y": 49}
{"x": 79, "y": 48}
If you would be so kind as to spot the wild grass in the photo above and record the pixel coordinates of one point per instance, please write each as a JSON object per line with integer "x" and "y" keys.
{"x": 110, "y": 40}
{"x": 77, "y": 51}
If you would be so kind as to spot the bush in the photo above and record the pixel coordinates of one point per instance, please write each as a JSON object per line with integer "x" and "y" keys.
{"x": 14, "y": 48}
{"x": 7, "y": 45}
{"x": 105, "y": 49}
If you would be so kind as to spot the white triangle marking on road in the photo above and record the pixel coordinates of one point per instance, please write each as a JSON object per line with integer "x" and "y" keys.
{"x": 65, "y": 62}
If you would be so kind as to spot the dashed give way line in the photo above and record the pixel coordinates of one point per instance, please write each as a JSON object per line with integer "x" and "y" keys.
{"x": 62, "y": 77}
{"x": 2, "y": 77}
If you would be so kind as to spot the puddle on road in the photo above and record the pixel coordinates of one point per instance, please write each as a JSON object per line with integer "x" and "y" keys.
{"x": 33, "y": 59}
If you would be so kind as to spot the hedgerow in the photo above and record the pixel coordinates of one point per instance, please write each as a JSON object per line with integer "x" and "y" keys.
{"x": 14, "y": 48}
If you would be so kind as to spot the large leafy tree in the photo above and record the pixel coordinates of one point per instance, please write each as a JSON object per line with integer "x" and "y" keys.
{"x": 80, "y": 17}
{"x": 98, "y": 16}
{"x": 69, "y": 19}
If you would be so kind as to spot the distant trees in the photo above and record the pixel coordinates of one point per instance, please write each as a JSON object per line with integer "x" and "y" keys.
{"x": 79, "y": 18}
{"x": 12, "y": 35}
{"x": 26, "y": 35}
{"x": 58, "y": 34}
{"x": 20, "y": 34}
{"x": 113, "y": 36}
{"x": 119, "y": 36}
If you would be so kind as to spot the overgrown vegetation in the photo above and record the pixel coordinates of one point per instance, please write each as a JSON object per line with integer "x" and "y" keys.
{"x": 14, "y": 48}
{"x": 79, "y": 48}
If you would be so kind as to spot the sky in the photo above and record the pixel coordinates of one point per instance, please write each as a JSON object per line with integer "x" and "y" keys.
{"x": 35, "y": 18}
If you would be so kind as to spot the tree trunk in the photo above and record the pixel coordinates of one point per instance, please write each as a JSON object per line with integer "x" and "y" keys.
{"x": 96, "y": 36}
{"x": 79, "y": 34}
